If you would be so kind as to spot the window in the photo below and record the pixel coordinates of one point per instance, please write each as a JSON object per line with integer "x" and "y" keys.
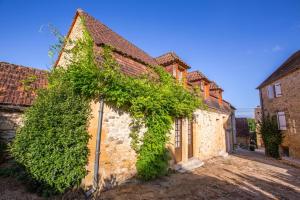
{"x": 174, "y": 71}
{"x": 281, "y": 121}
{"x": 277, "y": 87}
{"x": 180, "y": 76}
{"x": 178, "y": 133}
{"x": 270, "y": 91}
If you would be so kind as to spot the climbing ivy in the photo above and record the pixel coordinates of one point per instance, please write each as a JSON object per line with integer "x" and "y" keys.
{"x": 271, "y": 136}
{"x": 153, "y": 100}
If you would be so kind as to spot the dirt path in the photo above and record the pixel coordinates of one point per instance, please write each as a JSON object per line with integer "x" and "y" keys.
{"x": 244, "y": 175}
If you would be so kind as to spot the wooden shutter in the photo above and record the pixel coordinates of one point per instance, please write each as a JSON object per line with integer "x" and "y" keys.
{"x": 270, "y": 91}
{"x": 281, "y": 121}
{"x": 277, "y": 90}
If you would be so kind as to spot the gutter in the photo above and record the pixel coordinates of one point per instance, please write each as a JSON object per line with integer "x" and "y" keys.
{"x": 97, "y": 153}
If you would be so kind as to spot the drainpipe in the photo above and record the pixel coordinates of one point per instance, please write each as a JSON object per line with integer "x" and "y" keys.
{"x": 97, "y": 153}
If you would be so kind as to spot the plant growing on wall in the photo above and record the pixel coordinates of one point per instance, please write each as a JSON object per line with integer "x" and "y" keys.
{"x": 52, "y": 142}
{"x": 271, "y": 136}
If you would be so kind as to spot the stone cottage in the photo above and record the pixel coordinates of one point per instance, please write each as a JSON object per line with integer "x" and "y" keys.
{"x": 211, "y": 133}
{"x": 16, "y": 96}
{"x": 280, "y": 96}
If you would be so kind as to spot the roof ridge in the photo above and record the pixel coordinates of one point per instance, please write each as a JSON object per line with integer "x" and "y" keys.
{"x": 17, "y": 65}
{"x": 127, "y": 42}
{"x": 278, "y": 69}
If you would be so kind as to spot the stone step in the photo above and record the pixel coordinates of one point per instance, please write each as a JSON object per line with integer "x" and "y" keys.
{"x": 190, "y": 165}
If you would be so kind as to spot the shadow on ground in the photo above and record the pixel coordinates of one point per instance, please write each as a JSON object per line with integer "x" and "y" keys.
{"x": 245, "y": 175}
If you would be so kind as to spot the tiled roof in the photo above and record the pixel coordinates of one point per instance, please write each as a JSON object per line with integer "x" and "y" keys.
{"x": 290, "y": 65}
{"x": 12, "y": 88}
{"x": 214, "y": 86}
{"x": 212, "y": 102}
{"x": 168, "y": 58}
{"x": 195, "y": 75}
{"x": 104, "y": 35}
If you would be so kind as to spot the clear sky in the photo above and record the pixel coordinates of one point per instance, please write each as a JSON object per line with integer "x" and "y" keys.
{"x": 236, "y": 43}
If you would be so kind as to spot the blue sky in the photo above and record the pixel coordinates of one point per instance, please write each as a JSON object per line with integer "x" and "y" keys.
{"x": 236, "y": 43}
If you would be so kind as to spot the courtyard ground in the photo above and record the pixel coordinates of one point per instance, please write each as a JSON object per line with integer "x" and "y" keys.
{"x": 243, "y": 175}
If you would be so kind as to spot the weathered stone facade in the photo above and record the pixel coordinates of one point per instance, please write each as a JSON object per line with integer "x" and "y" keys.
{"x": 289, "y": 103}
{"x": 10, "y": 119}
{"x": 212, "y": 136}
{"x": 213, "y": 132}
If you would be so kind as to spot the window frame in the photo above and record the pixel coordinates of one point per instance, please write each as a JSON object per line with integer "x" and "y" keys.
{"x": 281, "y": 126}
{"x": 277, "y": 85}
{"x": 178, "y": 132}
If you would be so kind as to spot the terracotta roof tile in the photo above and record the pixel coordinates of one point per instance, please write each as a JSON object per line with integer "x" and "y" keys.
{"x": 290, "y": 65}
{"x": 104, "y": 35}
{"x": 168, "y": 58}
{"x": 12, "y": 89}
{"x": 195, "y": 76}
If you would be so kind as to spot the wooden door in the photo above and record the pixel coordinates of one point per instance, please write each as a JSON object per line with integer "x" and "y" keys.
{"x": 178, "y": 140}
{"x": 190, "y": 138}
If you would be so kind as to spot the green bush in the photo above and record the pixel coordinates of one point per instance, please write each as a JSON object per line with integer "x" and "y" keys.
{"x": 52, "y": 144}
{"x": 271, "y": 136}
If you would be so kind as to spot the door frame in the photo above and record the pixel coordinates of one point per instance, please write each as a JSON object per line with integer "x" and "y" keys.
{"x": 178, "y": 140}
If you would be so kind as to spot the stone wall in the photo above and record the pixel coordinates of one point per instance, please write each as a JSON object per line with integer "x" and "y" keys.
{"x": 10, "y": 119}
{"x": 212, "y": 129}
{"x": 289, "y": 103}
{"x": 117, "y": 160}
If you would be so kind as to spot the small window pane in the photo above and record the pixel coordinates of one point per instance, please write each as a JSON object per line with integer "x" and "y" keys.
{"x": 278, "y": 90}
{"x": 270, "y": 91}
{"x": 281, "y": 121}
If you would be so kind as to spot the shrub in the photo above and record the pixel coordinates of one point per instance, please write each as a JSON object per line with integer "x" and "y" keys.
{"x": 52, "y": 144}
{"x": 271, "y": 136}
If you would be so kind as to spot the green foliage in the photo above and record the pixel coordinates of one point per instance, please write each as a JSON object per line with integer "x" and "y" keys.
{"x": 52, "y": 144}
{"x": 27, "y": 82}
{"x": 251, "y": 124}
{"x": 152, "y": 100}
{"x": 271, "y": 136}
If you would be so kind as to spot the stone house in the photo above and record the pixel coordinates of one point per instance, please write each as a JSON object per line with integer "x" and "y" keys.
{"x": 15, "y": 96}
{"x": 280, "y": 96}
{"x": 211, "y": 132}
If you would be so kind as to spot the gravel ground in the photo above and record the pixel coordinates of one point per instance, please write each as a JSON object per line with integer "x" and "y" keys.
{"x": 243, "y": 175}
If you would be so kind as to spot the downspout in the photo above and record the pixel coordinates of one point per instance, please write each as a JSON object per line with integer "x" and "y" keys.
{"x": 97, "y": 153}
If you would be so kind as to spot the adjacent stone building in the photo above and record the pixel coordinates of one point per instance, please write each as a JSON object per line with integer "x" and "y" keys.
{"x": 280, "y": 96}
{"x": 17, "y": 92}
{"x": 211, "y": 132}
